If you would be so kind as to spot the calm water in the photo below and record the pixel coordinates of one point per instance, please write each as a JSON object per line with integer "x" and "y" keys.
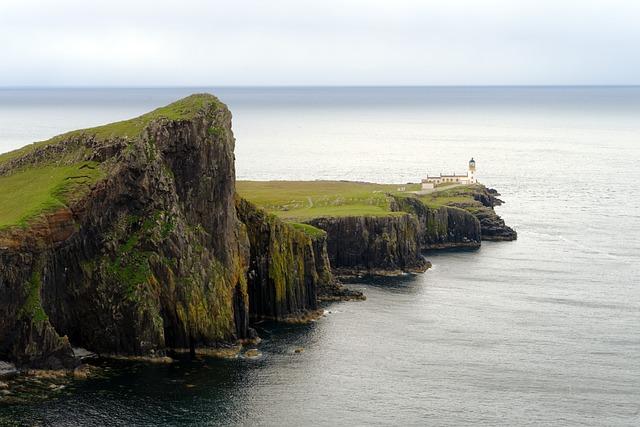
{"x": 544, "y": 330}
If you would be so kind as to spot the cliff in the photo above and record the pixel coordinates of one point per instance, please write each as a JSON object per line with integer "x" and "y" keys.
{"x": 373, "y": 244}
{"x": 393, "y": 243}
{"x": 288, "y": 265}
{"x": 442, "y": 227}
{"x": 130, "y": 239}
{"x": 382, "y": 228}
{"x": 493, "y": 227}
{"x": 139, "y": 246}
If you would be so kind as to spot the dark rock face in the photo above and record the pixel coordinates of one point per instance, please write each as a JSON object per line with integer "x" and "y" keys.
{"x": 493, "y": 227}
{"x": 154, "y": 257}
{"x": 373, "y": 244}
{"x": 161, "y": 254}
{"x": 488, "y": 197}
{"x": 329, "y": 288}
{"x": 445, "y": 227}
{"x": 286, "y": 268}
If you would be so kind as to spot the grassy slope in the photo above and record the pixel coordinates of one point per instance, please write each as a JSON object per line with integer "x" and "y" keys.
{"x": 447, "y": 196}
{"x": 303, "y": 200}
{"x": 29, "y": 191}
{"x": 308, "y": 229}
{"x": 179, "y": 110}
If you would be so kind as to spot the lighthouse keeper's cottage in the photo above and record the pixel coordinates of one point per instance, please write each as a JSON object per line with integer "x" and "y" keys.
{"x": 430, "y": 182}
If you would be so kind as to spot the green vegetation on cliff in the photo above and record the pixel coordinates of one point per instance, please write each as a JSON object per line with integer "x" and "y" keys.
{"x": 32, "y": 308}
{"x": 45, "y": 184}
{"x": 447, "y": 196}
{"x": 309, "y": 230}
{"x": 303, "y": 200}
{"x": 30, "y": 191}
{"x": 451, "y": 216}
{"x": 183, "y": 109}
{"x": 285, "y": 278}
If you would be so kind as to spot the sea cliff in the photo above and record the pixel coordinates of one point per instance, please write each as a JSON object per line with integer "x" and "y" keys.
{"x": 374, "y": 245}
{"x": 286, "y": 270}
{"x": 442, "y": 227}
{"x": 381, "y": 228}
{"x": 142, "y": 247}
{"x": 134, "y": 239}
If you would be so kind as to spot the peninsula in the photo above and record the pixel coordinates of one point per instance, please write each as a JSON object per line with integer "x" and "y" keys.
{"x": 134, "y": 239}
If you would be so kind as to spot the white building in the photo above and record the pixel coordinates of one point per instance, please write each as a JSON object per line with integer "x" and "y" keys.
{"x": 430, "y": 182}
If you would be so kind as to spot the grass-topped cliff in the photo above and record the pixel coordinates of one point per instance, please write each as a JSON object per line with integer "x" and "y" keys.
{"x": 130, "y": 238}
{"x": 366, "y": 220}
{"x": 125, "y": 238}
{"x": 48, "y": 175}
{"x": 372, "y": 227}
{"x": 131, "y": 129}
{"x": 32, "y": 190}
{"x": 305, "y": 200}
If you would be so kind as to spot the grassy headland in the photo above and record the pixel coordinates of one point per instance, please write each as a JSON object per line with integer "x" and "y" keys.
{"x": 304, "y": 200}
{"x": 129, "y": 129}
{"x": 448, "y": 195}
{"x": 42, "y": 186}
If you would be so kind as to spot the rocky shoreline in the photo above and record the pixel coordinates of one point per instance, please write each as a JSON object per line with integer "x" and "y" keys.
{"x": 160, "y": 254}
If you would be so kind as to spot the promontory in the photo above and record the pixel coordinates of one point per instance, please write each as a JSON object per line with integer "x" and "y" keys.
{"x": 133, "y": 239}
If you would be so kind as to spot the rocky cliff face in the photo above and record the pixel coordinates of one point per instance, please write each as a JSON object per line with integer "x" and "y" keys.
{"x": 153, "y": 256}
{"x": 393, "y": 243}
{"x": 373, "y": 244}
{"x": 444, "y": 227}
{"x": 154, "y": 251}
{"x": 492, "y": 226}
{"x": 288, "y": 267}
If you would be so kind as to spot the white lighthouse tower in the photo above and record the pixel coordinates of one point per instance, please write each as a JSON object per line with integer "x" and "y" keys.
{"x": 471, "y": 173}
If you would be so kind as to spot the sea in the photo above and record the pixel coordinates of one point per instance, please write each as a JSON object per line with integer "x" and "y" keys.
{"x": 544, "y": 330}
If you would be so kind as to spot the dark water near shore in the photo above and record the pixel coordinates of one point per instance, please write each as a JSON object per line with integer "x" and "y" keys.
{"x": 544, "y": 330}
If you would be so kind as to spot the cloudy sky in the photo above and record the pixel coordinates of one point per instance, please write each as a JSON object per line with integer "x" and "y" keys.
{"x": 324, "y": 42}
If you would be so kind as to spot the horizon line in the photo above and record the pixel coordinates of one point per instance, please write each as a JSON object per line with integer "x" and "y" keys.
{"x": 26, "y": 87}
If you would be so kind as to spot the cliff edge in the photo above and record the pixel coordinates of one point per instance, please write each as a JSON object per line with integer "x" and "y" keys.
{"x": 129, "y": 239}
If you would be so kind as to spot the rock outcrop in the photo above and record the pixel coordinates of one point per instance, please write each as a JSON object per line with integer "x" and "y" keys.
{"x": 152, "y": 250}
{"x": 493, "y": 228}
{"x": 153, "y": 256}
{"x": 441, "y": 228}
{"x": 373, "y": 244}
{"x": 287, "y": 269}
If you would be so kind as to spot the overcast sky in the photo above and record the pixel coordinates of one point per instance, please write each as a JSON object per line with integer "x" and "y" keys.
{"x": 323, "y": 42}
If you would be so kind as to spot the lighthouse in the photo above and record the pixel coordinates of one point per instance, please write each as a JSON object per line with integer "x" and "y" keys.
{"x": 471, "y": 173}
{"x": 431, "y": 182}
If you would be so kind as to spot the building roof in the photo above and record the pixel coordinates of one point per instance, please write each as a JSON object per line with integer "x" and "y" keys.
{"x": 446, "y": 176}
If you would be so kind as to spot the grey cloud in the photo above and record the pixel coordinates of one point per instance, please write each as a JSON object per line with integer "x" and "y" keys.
{"x": 280, "y": 42}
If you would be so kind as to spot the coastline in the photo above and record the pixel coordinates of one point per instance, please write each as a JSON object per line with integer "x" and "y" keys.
{"x": 137, "y": 249}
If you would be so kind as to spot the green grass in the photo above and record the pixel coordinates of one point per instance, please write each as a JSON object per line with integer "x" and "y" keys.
{"x": 304, "y": 200}
{"x": 29, "y": 192}
{"x": 180, "y": 110}
{"x": 309, "y": 230}
{"x": 448, "y": 196}
{"x": 32, "y": 308}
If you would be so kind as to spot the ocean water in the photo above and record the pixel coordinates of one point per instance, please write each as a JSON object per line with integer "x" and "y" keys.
{"x": 541, "y": 331}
